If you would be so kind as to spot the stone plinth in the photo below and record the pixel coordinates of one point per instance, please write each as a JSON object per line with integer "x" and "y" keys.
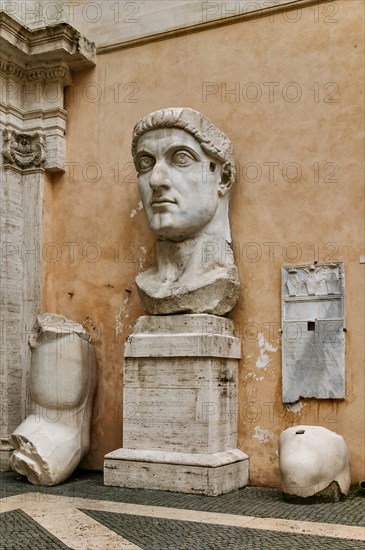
{"x": 5, "y": 452}
{"x": 180, "y": 408}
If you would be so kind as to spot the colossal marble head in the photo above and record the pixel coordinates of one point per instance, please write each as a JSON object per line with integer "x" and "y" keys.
{"x": 185, "y": 171}
{"x": 185, "y": 168}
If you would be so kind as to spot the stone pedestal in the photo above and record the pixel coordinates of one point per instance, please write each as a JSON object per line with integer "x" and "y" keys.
{"x": 180, "y": 408}
{"x": 5, "y": 452}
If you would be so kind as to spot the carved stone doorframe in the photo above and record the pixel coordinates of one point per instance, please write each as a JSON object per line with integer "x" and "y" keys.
{"x": 35, "y": 67}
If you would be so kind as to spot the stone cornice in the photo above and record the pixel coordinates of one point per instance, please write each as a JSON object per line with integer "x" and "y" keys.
{"x": 56, "y": 43}
{"x": 255, "y": 11}
{"x": 34, "y": 114}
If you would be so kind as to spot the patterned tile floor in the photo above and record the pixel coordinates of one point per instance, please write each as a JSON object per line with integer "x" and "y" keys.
{"x": 84, "y": 514}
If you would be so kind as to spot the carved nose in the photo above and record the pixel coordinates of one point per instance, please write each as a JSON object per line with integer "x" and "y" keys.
{"x": 159, "y": 177}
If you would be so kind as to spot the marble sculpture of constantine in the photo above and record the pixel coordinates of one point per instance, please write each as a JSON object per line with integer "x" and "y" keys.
{"x": 186, "y": 170}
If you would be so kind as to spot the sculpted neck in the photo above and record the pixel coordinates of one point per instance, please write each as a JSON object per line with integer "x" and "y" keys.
{"x": 194, "y": 256}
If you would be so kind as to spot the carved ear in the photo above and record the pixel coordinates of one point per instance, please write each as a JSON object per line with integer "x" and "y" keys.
{"x": 226, "y": 181}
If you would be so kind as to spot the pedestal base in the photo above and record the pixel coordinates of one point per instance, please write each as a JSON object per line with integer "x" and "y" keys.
{"x": 180, "y": 391}
{"x": 200, "y": 473}
{"x": 6, "y": 451}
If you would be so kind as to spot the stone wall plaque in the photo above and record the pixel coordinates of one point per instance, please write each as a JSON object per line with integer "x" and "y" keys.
{"x": 313, "y": 337}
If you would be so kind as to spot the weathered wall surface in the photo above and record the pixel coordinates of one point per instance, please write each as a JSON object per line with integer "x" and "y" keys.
{"x": 286, "y": 90}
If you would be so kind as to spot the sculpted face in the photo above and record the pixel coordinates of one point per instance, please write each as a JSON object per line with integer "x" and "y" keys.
{"x": 180, "y": 185}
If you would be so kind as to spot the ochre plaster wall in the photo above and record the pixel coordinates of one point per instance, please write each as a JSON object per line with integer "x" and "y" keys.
{"x": 101, "y": 240}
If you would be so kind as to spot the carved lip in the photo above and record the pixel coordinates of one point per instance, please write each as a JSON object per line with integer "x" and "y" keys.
{"x": 160, "y": 201}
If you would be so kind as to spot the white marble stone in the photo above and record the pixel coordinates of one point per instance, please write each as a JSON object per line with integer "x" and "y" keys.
{"x": 209, "y": 474}
{"x": 311, "y": 458}
{"x": 180, "y": 370}
{"x": 52, "y": 440}
{"x": 186, "y": 169}
{"x": 186, "y": 335}
{"x": 180, "y": 407}
{"x": 313, "y": 336}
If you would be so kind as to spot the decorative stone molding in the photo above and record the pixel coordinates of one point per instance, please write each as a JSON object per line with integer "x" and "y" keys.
{"x": 31, "y": 60}
{"x": 55, "y": 42}
{"x": 56, "y": 73}
{"x": 313, "y": 280}
{"x": 24, "y": 150}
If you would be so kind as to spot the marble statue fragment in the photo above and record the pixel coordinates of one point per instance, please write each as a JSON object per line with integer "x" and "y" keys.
{"x": 314, "y": 462}
{"x": 182, "y": 358}
{"x": 186, "y": 170}
{"x": 52, "y": 440}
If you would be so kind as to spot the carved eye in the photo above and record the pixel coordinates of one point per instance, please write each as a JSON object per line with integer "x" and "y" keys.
{"x": 182, "y": 158}
{"x": 145, "y": 163}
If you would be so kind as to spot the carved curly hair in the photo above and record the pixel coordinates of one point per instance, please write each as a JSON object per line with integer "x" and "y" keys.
{"x": 213, "y": 142}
